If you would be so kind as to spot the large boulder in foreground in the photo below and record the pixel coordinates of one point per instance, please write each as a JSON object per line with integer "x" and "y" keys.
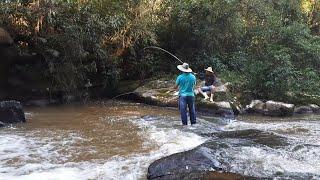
{"x": 190, "y": 165}
{"x": 162, "y": 92}
{"x": 11, "y": 112}
{"x": 211, "y": 159}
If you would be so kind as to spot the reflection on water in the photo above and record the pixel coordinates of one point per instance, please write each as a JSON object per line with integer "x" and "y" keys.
{"x": 120, "y": 140}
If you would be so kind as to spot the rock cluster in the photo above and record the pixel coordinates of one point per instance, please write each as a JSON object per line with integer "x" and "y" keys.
{"x": 11, "y": 112}
{"x": 273, "y": 108}
{"x": 162, "y": 93}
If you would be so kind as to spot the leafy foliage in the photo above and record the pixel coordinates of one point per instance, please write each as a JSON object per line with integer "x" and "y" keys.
{"x": 267, "y": 49}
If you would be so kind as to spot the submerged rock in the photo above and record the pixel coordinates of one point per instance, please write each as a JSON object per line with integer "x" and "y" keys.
{"x": 11, "y": 112}
{"x": 257, "y": 136}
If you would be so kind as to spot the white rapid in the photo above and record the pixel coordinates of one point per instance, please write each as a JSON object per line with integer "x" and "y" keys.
{"x": 123, "y": 149}
{"x": 299, "y": 159}
{"x": 119, "y": 141}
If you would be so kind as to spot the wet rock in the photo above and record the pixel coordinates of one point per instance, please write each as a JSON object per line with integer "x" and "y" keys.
{"x": 303, "y": 110}
{"x": 181, "y": 165}
{"x": 198, "y": 163}
{"x": 236, "y": 106}
{"x": 274, "y": 108}
{"x": 256, "y": 106}
{"x": 5, "y": 38}
{"x": 11, "y": 112}
{"x": 257, "y": 136}
{"x": 221, "y": 108}
{"x": 54, "y": 52}
{"x": 205, "y": 175}
{"x": 2, "y": 124}
{"x": 315, "y": 108}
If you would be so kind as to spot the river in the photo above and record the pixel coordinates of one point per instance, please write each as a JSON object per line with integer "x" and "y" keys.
{"x": 119, "y": 140}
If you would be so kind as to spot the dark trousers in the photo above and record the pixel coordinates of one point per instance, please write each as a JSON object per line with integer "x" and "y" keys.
{"x": 184, "y": 102}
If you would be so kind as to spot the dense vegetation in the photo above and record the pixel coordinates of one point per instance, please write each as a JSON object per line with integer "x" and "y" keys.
{"x": 268, "y": 49}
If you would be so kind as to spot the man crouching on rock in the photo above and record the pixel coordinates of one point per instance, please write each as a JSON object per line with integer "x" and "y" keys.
{"x": 186, "y": 83}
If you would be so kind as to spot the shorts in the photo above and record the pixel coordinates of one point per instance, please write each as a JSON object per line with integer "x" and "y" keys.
{"x": 207, "y": 88}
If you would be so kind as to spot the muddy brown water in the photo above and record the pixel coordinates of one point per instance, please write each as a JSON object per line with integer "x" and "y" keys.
{"x": 119, "y": 141}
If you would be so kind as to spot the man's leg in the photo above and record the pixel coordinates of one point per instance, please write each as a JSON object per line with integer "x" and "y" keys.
{"x": 183, "y": 109}
{"x": 212, "y": 91}
{"x": 192, "y": 109}
{"x": 204, "y": 94}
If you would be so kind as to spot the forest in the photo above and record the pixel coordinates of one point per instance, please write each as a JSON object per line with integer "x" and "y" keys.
{"x": 267, "y": 49}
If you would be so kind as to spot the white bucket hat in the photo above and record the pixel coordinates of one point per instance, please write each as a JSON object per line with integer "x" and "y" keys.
{"x": 184, "y": 68}
{"x": 209, "y": 69}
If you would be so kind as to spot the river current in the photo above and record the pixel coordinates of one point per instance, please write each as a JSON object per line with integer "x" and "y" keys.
{"x": 119, "y": 140}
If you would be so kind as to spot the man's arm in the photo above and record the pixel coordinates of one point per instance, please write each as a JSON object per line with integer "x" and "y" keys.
{"x": 176, "y": 86}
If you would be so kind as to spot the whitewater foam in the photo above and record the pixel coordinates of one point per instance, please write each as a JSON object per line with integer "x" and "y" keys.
{"x": 301, "y": 156}
{"x": 39, "y": 158}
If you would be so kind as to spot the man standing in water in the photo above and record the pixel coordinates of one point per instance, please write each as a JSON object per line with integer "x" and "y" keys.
{"x": 186, "y": 83}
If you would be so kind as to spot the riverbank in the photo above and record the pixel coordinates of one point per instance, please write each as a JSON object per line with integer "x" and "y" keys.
{"x": 160, "y": 92}
{"x": 226, "y": 103}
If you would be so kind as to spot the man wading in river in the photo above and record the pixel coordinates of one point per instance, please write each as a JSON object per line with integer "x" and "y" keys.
{"x": 186, "y": 83}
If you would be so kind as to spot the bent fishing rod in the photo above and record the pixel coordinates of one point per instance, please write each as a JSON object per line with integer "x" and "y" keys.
{"x": 151, "y": 47}
{"x": 159, "y": 48}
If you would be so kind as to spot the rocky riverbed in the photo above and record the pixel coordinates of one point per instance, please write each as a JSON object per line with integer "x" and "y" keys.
{"x": 121, "y": 140}
{"x": 161, "y": 92}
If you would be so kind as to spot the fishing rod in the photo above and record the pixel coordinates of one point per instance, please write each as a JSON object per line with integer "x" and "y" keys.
{"x": 149, "y": 47}
{"x": 159, "y": 48}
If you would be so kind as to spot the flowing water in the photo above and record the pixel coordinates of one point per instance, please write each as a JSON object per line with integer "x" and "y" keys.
{"x": 120, "y": 140}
